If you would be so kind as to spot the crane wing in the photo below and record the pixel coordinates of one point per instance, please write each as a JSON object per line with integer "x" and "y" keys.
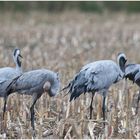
{"x": 2, "y": 81}
{"x": 137, "y": 77}
{"x": 131, "y": 70}
{"x": 29, "y": 80}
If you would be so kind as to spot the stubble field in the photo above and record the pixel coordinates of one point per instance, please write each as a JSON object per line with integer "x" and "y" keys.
{"x": 64, "y": 42}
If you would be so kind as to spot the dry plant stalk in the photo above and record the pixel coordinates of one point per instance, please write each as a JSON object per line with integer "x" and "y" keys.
{"x": 91, "y": 126}
{"x": 99, "y": 106}
{"x": 68, "y": 110}
{"x": 64, "y": 42}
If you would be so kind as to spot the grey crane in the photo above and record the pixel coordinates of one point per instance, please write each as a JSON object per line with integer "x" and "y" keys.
{"x": 8, "y": 75}
{"x": 97, "y": 77}
{"x": 35, "y": 83}
{"x": 132, "y": 72}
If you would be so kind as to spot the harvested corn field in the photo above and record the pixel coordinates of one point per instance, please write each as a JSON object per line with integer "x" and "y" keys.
{"x": 64, "y": 42}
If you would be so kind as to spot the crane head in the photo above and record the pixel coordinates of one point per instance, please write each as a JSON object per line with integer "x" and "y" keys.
{"x": 17, "y": 56}
{"x": 121, "y": 55}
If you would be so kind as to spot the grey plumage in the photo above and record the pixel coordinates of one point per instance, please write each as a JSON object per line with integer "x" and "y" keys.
{"x": 8, "y": 75}
{"x": 35, "y": 83}
{"x": 131, "y": 70}
{"x": 97, "y": 76}
{"x": 137, "y": 78}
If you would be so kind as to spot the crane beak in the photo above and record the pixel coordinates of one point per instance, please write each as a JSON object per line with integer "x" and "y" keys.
{"x": 20, "y": 56}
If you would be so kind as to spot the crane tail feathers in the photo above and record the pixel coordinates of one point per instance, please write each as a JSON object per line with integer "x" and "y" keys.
{"x": 77, "y": 86}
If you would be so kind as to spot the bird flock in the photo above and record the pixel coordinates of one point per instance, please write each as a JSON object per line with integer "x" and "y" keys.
{"x": 96, "y": 77}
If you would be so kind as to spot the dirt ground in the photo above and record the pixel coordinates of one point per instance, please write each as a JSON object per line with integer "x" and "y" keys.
{"x": 64, "y": 42}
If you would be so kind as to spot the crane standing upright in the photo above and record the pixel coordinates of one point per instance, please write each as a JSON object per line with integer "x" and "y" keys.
{"x": 8, "y": 75}
{"x": 97, "y": 77}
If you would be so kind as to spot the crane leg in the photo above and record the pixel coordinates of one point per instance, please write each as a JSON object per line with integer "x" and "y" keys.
{"x": 103, "y": 109}
{"x": 32, "y": 116}
{"x": 91, "y": 107}
{"x": 4, "y": 110}
{"x": 137, "y": 108}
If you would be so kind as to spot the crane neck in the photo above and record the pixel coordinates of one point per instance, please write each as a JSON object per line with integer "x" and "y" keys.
{"x": 19, "y": 69}
{"x": 18, "y": 64}
{"x": 122, "y": 62}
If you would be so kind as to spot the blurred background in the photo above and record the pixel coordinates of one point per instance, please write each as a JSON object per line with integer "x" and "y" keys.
{"x": 84, "y": 6}
{"x": 64, "y": 36}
